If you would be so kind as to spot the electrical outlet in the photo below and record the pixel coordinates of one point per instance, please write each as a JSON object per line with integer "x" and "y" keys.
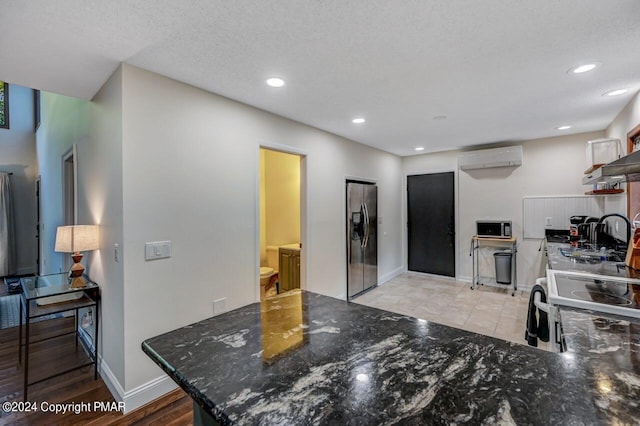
{"x": 548, "y": 221}
{"x": 219, "y": 306}
{"x": 116, "y": 253}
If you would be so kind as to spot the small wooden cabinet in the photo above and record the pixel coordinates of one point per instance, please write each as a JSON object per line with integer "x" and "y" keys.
{"x": 289, "y": 260}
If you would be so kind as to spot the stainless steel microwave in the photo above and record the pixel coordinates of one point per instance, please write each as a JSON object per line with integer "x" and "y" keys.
{"x": 493, "y": 228}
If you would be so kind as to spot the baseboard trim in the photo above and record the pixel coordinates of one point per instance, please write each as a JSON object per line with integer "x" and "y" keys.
{"x": 391, "y": 275}
{"x": 147, "y": 392}
{"x": 440, "y": 277}
{"x": 139, "y": 396}
{"x": 523, "y": 287}
{"x": 112, "y": 382}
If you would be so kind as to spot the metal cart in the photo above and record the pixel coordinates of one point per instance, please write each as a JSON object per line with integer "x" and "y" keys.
{"x": 476, "y": 242}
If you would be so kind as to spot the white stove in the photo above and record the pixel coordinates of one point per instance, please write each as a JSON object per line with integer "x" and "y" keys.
{"x": 582, "y": 290}
{"x": 614, "y": 295}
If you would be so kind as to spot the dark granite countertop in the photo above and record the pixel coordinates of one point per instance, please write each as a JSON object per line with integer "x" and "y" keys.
{"x": 609, "y": 345}
{"x": 590, "y": 332}
{"x": 303, "y": 358}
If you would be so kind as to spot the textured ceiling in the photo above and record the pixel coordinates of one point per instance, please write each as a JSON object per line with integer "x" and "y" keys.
{"x": 497, "y": 69}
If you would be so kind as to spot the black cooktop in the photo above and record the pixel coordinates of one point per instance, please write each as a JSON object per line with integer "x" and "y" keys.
{"x": 621, "y": 294}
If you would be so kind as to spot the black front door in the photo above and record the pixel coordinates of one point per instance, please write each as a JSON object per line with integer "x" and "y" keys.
{"x": 431, "y": 224}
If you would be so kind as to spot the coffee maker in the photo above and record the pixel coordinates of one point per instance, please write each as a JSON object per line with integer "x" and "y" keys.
{"x": 582, "y": 229}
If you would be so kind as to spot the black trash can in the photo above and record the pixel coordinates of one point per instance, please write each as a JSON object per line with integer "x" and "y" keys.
{"x": 503, "y": 267}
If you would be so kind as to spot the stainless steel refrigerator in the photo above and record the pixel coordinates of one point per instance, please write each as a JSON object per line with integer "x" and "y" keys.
{"x": 362, "y": 242}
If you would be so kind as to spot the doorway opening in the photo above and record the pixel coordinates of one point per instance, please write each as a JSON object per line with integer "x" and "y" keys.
{"x": 38, "y": 227}
{"x": 69, "y": 195}
{"x": 280, "y": 222}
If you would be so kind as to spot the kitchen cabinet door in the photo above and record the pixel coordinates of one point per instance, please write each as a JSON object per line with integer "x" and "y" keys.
{"x": 295, "y": 270}
{"x": 285, "y": 270}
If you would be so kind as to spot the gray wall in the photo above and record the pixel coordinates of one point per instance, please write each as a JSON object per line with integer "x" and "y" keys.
{"x": 18, "y": 156}
{"x": 65, "y": 122}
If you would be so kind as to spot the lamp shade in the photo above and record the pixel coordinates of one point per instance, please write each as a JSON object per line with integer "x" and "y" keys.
{"x": 75, "y": 238}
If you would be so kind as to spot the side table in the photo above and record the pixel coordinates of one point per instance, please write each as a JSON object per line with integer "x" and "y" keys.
{"x": 51, "y": 294}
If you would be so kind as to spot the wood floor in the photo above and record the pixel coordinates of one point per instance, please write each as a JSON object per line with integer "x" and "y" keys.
{"x": 78, "y": 386}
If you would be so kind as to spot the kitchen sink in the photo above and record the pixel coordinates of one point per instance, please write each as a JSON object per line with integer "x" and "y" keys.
{"x": 592, "y": 256}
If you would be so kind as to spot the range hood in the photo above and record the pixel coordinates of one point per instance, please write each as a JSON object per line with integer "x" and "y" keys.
{"x": 625, "y": 169}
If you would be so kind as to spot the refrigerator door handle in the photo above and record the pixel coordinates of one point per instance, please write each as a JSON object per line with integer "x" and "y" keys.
{"x": 366, "y": 224}
{"x": 362, "y": 224}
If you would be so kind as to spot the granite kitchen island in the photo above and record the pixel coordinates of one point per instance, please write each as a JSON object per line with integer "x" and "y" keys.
{"x": 303, "y": 358}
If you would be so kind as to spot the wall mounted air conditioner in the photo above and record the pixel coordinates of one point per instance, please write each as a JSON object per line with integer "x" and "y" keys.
{"x": 510, "y": 156}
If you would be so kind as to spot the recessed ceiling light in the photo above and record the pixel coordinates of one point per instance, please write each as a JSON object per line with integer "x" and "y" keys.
{"x": 563, "y": 128}
{"x": 358, "y": 120}
{"x": 275, "y": 82}
{"x": 419, "y": 148}
{"x": 615, "y": 92}
{"x": 583, "y": 68}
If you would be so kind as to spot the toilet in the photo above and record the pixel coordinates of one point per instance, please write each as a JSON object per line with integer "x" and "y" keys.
{"x": 272, "y": 258}
{"x": 267, "y": 272}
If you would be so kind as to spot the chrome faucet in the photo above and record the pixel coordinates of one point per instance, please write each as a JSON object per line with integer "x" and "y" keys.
{"x": 601, "y": 221}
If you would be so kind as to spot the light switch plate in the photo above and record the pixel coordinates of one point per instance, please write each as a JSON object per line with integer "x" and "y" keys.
{"x": 157, "y": 250}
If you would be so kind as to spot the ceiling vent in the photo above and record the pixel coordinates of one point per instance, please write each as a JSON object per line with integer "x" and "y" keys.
{"x": 510, "y": 156}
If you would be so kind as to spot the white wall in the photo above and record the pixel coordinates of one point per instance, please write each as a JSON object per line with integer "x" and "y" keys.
{"x": 100, "y": 202}
{"x": 64, "y": 122}
{"x": 18, "y": 156}
{"x": 190, "y": 165}
{"x": 552, "y": 166}
{"x": 96, "y": 129}
{"x": 626, "y": 120}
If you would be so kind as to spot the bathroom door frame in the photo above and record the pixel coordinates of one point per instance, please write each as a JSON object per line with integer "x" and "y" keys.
{"x": 69, "y": 194}
{"x": 304, "y": 223}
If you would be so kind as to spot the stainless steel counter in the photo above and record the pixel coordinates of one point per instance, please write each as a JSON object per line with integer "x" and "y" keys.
{"x": 557, "y": 261}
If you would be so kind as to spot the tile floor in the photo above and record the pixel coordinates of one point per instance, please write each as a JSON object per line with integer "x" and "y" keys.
{"x": 486, "y": 310}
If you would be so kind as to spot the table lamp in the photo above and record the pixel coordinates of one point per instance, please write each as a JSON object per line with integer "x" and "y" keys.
{"x": 74, "y": 239}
